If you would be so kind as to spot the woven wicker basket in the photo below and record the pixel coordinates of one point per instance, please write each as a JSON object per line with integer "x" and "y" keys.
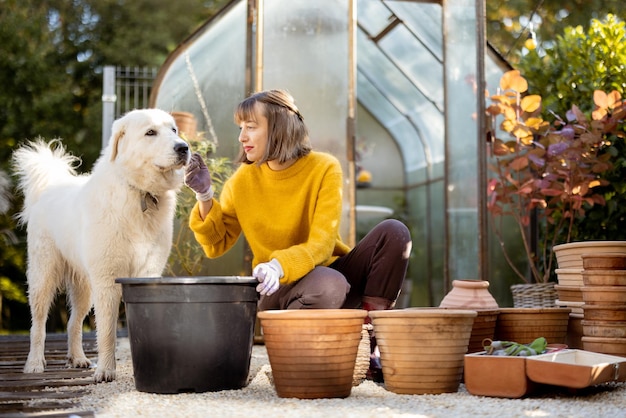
{"x": 534, "y": 295}
{"x": 362, "y": 356}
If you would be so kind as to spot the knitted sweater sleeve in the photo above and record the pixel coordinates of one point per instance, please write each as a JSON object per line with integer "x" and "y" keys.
{"x": 219, "y": 231}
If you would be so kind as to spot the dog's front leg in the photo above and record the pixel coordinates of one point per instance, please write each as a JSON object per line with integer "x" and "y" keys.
{"x": 107, "y": 300}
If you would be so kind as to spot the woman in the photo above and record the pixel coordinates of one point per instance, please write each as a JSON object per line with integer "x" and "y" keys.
{"x": 287, "y": 201}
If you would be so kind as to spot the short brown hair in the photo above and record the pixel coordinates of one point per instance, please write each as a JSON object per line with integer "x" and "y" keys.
{"x": 288, "y": 136}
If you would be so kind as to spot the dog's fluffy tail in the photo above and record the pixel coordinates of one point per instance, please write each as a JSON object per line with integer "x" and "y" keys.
{"x": 38, "y": 165}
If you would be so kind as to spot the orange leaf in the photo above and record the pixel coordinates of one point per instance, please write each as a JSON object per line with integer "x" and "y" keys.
{"x": 551, "y": 192}
{"x": 509, "y": 113}
{"x": 519, "y": 163}
{"x": 512, "y": 80}
{"x": 614, "y": 98}
{"x": 527, "y": 140}
{"x": 500, "y": 149}
{"x": 531, "y": 103}
{"x": 535, "y": 123}
{"x": 508, "y": 125}
{"x": 600, "y": 99}
{"x": 598, "y": 114}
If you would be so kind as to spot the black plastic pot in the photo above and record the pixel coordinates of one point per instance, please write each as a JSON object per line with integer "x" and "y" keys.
{"x": 190, "y": 334}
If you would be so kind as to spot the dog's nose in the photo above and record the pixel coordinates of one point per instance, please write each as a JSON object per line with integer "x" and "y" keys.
{"x": 182, "y": 149}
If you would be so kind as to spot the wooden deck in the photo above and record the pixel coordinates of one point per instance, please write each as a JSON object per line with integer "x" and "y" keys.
{"x": 29, "y": 395}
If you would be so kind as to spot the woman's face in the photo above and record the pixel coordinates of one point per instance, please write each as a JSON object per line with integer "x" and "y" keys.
{"x": 253, "y": 135}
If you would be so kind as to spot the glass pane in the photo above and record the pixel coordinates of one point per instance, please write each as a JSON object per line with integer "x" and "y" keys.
{"x": 425, "y": 21}
{"x": 208, "y": 78}
{"x": 462, "y": 146}
{"x": 306, "y": 51}
{"x": 373, "y": 16}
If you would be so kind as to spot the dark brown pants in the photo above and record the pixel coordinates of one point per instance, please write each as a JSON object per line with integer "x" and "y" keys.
{"x": 374, "y": 269}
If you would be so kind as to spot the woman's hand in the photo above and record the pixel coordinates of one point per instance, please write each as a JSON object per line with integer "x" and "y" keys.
{"x": 198, "y": 178}
{"x": 268, "y": 275}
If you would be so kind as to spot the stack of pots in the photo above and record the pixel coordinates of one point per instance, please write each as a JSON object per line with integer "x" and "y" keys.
{"x": 604, "y": 297}
{"x": 570, "y": 279}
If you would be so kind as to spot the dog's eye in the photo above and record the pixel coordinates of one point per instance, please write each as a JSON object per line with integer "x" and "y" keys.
{"x": 151, "y": 132}
{"x": 174, "y": 130}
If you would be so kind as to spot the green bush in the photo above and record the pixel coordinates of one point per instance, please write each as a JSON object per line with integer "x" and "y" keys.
{"x": 579, "y": 63}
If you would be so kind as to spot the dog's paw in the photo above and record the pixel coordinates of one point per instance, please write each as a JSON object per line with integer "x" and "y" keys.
{"x": 103, "y": 375}
{"x": 78, "y": 363}
{"x": 35, "y": 366}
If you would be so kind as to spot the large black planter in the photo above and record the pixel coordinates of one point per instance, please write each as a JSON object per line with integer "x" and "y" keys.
{"x": 190, "y": 334}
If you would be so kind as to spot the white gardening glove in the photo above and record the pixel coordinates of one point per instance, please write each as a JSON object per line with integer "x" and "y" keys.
{"x": 268, "y": 275}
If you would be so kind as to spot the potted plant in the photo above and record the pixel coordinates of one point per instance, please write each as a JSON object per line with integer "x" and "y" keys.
{"x": 545, "y": 173}
{"x": 187, "y": 257}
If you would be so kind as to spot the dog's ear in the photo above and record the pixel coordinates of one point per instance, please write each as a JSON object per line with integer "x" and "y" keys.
{"x": 117, "y": 136}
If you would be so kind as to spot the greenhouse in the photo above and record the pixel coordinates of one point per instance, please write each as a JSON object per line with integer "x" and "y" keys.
{"x": 392, "y": 88}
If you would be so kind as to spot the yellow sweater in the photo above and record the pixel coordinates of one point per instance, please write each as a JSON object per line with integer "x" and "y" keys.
{"x": 292, "y": 215}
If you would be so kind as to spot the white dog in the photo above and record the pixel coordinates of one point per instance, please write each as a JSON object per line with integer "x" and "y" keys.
{"x": 84, "y": 231}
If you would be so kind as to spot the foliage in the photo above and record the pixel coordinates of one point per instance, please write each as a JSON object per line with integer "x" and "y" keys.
{"x": 187, "y": 256}
{"x": 551, "y": 170}
{"x": 509, "y": 23}
{"x": 580, "y": 62}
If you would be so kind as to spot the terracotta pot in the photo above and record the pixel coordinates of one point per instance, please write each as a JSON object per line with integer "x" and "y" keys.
{"x": 604, "y": 295}
{"x": 605, "y": 329}
{"x": 469, "y": 294}
{"x": 570, "y": 277}
{"x": 484, "y": 327}
{"x": 569, "y": 255}
{"x": 605, "y": 345}
{"x": 524, "y": 325}
{"x": 569, "y": 293}
{"x": 312, "y": 353}
{"x": 605, "y": 261}
{"x": 187, "y": 124}
{"x": 575, "y": 307}
{"x": 422, "y": 349}
{"x": 604, "y": 277}
{"x": 604, "y": 312}
{"x": 575, "y": 331}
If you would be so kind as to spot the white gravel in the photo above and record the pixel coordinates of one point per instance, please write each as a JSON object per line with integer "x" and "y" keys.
{"x": 259, "y": 399}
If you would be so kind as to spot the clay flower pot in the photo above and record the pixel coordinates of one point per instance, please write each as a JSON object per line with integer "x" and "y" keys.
{"x": 606, "y": 345}
{"x": 604, "y": 277}
{"x": 312, "y": 352}
{"x": 422, "y": 349}
{"x": 187, "y": 123}
{"x": 604, "y": 261}
{"x": 570, "y": 277}
{"x": 604, "y": 295}
{"x": 469, "y": 294}
{"x": 569, "y": 256}
{"x": 524, "y": 325}
{"x": 474, "y": 295}
{"x": 190, "y": 334}
{"x": 484, "y": 327}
